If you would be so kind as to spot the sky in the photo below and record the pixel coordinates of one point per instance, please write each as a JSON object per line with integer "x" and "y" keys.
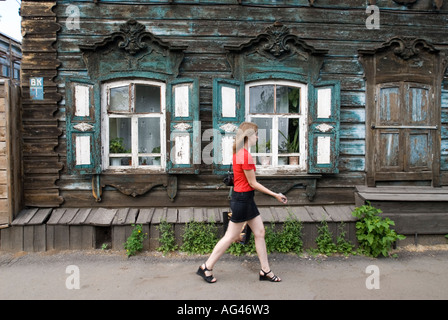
{"x": 10, "y": 19}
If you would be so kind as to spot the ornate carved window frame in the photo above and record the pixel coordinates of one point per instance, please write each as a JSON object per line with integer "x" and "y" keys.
{"x": 406, "y": 59}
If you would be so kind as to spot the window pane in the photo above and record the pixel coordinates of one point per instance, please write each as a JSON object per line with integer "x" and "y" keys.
{"x": 264, "y": 135}
{"x": 120, "y": 135}
{"x": 261, "y": 99}
{"x": 120, "y": 161}
{"x": 390, "y": 105}
{"x": 288, "y": 135}
{"x": 419, "y": 102}
{"x": 149, "y": 161}
{"x": 288, "y": 99}
{"x": 147, "y": 98}
{"x": 119, "y": 99}
{"x": 5, "y": 71}
{"x": 149, "y": 135}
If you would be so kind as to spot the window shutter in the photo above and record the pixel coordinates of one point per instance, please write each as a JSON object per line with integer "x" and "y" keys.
{"x": 323, "y": 133}
{"x": 184, "y": 129}
{"x": 228, "y": 113}
{"x": 83, "y": 129}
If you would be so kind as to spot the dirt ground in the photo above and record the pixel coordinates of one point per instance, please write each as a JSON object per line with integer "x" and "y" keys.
{"x": 416, "y": 273}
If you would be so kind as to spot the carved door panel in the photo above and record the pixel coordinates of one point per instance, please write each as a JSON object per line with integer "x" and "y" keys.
{"x": 404, "y": 130}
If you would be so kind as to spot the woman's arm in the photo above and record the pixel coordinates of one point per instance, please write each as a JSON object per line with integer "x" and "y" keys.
{"x": 252, "y": 180}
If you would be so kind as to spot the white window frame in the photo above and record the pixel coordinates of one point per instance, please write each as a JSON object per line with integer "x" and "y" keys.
{"x": 303, "y": 127}
{"x": 105, "y": 116}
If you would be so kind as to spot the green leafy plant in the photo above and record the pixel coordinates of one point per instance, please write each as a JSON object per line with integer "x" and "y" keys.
{"x": 199, "y": 237}
{"x": 342, "y": 245}
{"x": 156, "y": 150}
{"x": 374, "y": 232}
{"x": 167, "y": 239}
{"x": 286, "y": 240}
{"x": 263, "y": 146}
{"x": 134, "y": 243}
{"x": 238, "y": 249}
{"x": 324, "y": 240}
{"x": 270, "y": 238}
{"x": 292, "y": 143}
{"x": 325, "y": 243}
{"x": 289, "y": 239}
{"x": 116, "y": 146}
{"x": 294, "y": 98}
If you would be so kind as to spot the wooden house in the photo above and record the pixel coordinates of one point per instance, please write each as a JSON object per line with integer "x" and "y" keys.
{"x": 10, "y": 57}
{"x": 140, "y": 100}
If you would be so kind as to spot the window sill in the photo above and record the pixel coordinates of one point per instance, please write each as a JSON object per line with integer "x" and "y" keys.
{"x": 136, "y": 182}
{"x": 134, "y": 171}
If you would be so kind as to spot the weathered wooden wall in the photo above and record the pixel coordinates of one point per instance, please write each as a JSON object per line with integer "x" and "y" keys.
{"x": 51, "y": 49}
{"x": 11, "y": 192}
{"x": 444, "y": 142}
{"x": 4, "y": 208}
{"x": 41, "y": 132}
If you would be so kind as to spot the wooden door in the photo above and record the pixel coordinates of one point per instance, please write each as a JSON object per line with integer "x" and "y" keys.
{"x": 404, "y": 131}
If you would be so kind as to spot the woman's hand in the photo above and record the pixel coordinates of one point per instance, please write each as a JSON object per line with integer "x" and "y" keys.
{"x": 281, "y": 198}
{"x": 252, "y": 180}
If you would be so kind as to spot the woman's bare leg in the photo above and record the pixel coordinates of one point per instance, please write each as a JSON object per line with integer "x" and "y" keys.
{"x": 257, "y": 227}
{"x": 232, "y": 234}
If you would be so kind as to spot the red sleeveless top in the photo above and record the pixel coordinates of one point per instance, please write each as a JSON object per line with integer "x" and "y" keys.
{"x": 242, "y": 160}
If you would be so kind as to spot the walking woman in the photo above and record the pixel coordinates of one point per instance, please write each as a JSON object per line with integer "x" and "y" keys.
{"x": 243, "y": 206}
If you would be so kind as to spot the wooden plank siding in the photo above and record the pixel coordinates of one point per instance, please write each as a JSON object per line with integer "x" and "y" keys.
{"x": 45, "y": 229}
{"x": 51, "y": 50}
{"x": 11, "y": 187}
{"x": 41, "y": 133}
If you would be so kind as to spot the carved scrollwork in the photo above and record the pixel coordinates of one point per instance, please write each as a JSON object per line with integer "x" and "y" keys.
{"x": 324, "y": 127}
{"x": 280, "y": 43}
{"x": 83, "y": 127}
{"x": 135, "y": 185}
{"x": 132, "y": 33}
{"x": 276, "y": 40}
{"x": 182, "y": 126}
{"x": 134, "y": 190}
{"x": 408, "y": 47}
{"x": 132, "y": 48}
{"x": 229, "y": 127}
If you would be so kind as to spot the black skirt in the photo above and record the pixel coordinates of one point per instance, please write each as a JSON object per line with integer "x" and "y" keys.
{"x": 243, "y": 206}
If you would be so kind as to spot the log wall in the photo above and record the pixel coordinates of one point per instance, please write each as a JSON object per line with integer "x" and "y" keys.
{"x": 51, "y": 50}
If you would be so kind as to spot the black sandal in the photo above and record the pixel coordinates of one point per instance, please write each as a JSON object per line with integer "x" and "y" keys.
{"x": 265, "y": 277}
{"x": 201, "y": 272}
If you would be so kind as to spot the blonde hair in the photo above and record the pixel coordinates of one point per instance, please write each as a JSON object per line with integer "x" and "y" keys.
{"x": 245, "y": 130}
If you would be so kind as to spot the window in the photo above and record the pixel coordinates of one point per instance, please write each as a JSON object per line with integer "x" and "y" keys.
{"x": 298, "y": 124}
{"x": 404, "y": 130}
{"x": 4, "y": 63}
{"x": 133, "y": 122}
{"x": 16, "y": 70}
{"x": 280, "y": 110}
